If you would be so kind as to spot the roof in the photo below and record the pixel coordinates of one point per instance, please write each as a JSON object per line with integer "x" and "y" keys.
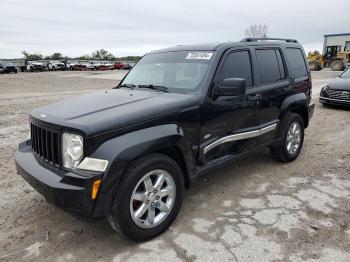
{"x": 220, "y": 45}
{"x": 195, "y": 47}
{"x": 336, "y": 34}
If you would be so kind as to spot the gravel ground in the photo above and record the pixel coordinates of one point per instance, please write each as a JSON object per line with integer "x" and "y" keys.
{"x": 253, "y": 210}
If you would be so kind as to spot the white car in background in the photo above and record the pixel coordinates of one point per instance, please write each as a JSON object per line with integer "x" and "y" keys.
{"x": 92, "y": 65}
{"x": 106, "y": 66}
{"x": 35, "y": 66}
{"x": 70, "y": 64}
{"x": 56, "y": 65}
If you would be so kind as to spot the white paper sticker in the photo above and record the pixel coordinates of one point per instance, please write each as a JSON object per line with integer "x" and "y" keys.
{"x": 199, "y": 55}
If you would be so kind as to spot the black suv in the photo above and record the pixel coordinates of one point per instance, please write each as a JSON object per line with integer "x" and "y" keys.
{"x": 6, "y": 69}
{"x": 128, "y": 153}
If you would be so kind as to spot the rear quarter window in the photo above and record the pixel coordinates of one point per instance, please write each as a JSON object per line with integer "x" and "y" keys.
{"x": 297, "y": 62}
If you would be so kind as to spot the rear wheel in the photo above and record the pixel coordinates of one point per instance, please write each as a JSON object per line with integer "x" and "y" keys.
{"x": 314, "y": 66}
{"x": 336, "y": 65}
{"x": 291, "y": 135}
{"x": 149, "y": 198}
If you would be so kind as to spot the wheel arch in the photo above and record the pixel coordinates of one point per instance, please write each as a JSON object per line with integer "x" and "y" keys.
{"x": 122, "y": 151}
{"x": 298, "y": 104}
{"x": 174, "y": 152}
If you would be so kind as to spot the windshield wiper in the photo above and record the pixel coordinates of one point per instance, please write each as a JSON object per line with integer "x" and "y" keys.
{"x": 128, "y": 85}
{"x": 155, "y": 87}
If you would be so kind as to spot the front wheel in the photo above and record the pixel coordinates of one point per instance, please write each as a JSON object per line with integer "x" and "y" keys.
{"x": 336, "y": 65}
{"x": 148, "y": 198}
{"x": 291, "y": 138}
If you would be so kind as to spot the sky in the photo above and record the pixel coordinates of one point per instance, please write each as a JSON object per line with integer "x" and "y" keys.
{"x": 134, "y": 27}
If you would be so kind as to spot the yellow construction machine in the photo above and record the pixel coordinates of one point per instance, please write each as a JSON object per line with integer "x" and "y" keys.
{"x": 335, "y": 60}
{"x": 336, "y": 53}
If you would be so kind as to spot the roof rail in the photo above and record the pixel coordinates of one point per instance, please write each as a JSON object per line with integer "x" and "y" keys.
{"x": 255, "y": 39}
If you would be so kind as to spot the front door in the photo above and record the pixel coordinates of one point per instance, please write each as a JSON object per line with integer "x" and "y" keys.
{"x": 228, "y": 122}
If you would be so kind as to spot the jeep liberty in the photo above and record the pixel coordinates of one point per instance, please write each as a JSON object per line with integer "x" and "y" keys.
{"x": 127, "y": 154}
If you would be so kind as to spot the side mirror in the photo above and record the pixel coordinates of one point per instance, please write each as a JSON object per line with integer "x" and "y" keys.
{"x": 232, "y": 87}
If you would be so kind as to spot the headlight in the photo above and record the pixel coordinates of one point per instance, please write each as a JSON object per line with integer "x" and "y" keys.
{"x": 324, "y": 91}
{"x": 325, "y": 88}
{"x": 72, "y": 149}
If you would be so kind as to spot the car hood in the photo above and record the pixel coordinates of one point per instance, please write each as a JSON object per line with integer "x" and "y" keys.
{"x": 103, "y": 111}
{"x": 340, "y": 84}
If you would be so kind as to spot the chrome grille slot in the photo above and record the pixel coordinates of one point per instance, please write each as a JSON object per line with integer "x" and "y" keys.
{"x": 45, "y": 144}
{"x": 337, "y": 94}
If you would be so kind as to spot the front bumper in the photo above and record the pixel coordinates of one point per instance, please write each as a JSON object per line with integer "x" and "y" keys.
{"x": 65, "y": 189}
{"x": 326, "y": 100}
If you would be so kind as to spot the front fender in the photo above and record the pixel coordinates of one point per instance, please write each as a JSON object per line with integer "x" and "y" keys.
{"x": 121, "y": 150}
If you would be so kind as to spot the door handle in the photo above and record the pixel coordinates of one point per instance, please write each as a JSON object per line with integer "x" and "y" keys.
{"x": 254, "y": 97}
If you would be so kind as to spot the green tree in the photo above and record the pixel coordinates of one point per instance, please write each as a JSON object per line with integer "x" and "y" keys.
{"x": 130, "y": 58}
{"x": 56, "y": 56}
{"x": 102, "y": 54}
{"x": 83, "y": 57}
{"x": 33, "y": 56}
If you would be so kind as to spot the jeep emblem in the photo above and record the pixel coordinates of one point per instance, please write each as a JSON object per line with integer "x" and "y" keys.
{"x": 43, "y": 116}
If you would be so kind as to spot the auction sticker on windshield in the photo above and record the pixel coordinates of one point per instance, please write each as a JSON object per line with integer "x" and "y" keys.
{"x": 199, "y": 55}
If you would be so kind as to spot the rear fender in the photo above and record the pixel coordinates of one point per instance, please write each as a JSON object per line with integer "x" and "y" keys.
{"x": 297, "y": 103}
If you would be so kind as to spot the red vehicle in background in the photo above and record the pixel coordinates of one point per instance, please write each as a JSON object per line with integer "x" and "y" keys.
{"x": 78, "y": 67}
{"x": 118, "y": 65}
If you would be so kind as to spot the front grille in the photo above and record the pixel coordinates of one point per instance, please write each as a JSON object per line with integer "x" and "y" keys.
{"x": 337, "y": 94}
{"x": 46, "y": 144}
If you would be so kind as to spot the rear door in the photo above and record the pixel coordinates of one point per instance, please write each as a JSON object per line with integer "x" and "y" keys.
{"x": 299, "y": 73}
{"x": 274, "y": 87}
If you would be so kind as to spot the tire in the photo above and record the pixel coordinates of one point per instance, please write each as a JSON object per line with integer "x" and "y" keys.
{"x": 283, "y": 150}
{"x": 336, "y": 65}
{"x": 314, "y": 66}
{"x": 124, "y": 209}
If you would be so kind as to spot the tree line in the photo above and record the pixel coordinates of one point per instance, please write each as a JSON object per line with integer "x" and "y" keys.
{"x": 257, "y": 30}
{"x": 100, "y": 54}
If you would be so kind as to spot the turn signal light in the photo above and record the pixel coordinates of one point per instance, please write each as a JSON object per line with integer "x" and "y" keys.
{"x": 95, "y": 188}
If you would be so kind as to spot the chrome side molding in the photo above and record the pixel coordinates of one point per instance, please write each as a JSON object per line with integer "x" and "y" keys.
{"x": 240, "y": 136}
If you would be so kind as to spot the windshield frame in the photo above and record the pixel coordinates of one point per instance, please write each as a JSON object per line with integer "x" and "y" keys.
{"x": 200, "y": 84}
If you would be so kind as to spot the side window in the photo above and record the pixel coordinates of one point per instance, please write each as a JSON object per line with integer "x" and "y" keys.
{"x": 237, "y": 65}
{"x": 297, "y": 62}
{"x": 270, "y": 65}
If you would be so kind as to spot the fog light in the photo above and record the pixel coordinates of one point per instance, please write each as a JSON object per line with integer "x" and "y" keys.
{"x": 93, "y": 164}
{"x": 95, "y": 188}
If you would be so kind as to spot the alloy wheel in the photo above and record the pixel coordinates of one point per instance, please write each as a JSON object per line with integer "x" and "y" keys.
{"x": 293, "y": 138}
{"x": 152, "y": 199}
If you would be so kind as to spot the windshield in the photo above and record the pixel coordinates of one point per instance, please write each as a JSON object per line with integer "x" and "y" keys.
{"x": 180, "y": 71}
{"x": 346, "y": 74}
